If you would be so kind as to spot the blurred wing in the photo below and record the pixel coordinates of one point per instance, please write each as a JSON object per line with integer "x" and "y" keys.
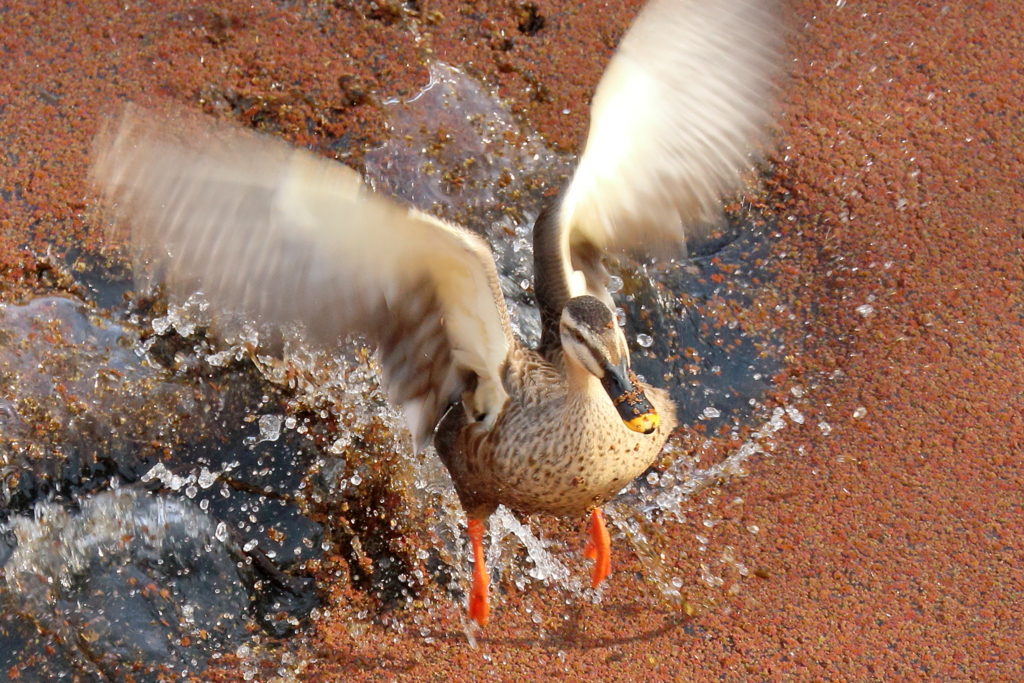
{"x": 674, "y": 122}
{"x": 281, "y": 235}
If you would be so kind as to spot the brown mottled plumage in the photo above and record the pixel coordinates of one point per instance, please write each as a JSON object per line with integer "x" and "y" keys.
{"x": 281, "y": 235}
{"x": 552, "y": 449}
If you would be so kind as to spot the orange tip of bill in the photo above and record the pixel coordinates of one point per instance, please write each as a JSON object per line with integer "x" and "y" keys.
{"x": 645, "y": 424}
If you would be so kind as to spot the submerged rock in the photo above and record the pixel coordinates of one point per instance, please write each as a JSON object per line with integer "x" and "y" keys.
{"x": 129, "y": 583}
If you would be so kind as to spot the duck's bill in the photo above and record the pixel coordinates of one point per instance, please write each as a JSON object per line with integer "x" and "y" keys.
{"x": 629, "y": 399}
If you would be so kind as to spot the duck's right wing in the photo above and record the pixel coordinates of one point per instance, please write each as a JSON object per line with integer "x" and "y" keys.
{"x": 281, "y": 235}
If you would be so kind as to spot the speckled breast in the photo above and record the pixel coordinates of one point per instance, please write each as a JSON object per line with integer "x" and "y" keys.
{"x": 568, "y": 461}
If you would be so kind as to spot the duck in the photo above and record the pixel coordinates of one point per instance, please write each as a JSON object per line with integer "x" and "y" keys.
{"x": 282, "y": 235}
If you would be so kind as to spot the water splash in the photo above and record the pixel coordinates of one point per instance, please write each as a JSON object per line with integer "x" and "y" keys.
{"x": 130, "y": 578}
{"x": 457, "y": 151}
{"x": 332, "y": 444}
{"x": 90, "y": 410}
{"x": 76, "y": 400}
{"x": 541, "y": 565}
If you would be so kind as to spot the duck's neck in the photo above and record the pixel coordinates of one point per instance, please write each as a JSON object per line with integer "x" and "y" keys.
{"x": 583, "y": 386}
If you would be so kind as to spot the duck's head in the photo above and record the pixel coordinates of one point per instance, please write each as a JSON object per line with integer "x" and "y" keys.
{"x": 592, "y": 341}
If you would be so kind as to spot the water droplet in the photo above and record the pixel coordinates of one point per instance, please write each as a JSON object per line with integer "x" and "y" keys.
{"x": 865, "y": 310}
{"x": 644, "y": 340}
{"x": 161, "y": 325}
{"x": 860, "y": 412}
{"x": 206, "y": 478}
{"x": 614, "y": 284}
{"x": 356, "y": 480}
{"x": 825, "y": 428}
{"x": 270, "y": 427}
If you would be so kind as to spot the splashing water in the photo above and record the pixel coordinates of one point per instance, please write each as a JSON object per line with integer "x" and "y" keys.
{"x": 130, "y": 577}
{"x": 331, "y": 442}
{"x": 637, "y": 510}
{"x": 457, "y": 152}
{"x": 88, "y": 408}
{"x": 76, "y": 400}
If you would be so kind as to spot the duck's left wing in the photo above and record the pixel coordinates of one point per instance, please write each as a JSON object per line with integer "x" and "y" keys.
{"x": 279, "y": 234}
{"x": 674, "y": 122}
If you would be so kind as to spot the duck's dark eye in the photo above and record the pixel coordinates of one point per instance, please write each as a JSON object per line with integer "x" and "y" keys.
{"x": 576, "y": 336}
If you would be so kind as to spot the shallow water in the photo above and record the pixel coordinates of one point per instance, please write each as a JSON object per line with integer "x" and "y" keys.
{"x": 129, "y": 577}
{"x": 250, "y": 463}
{"x": 99, "y": 571}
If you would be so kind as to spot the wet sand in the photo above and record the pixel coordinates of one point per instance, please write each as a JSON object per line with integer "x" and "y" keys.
{"x": 889, "y": 548}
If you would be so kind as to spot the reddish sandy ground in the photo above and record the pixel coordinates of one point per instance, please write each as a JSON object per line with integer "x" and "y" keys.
{"x": 890, "y": 549}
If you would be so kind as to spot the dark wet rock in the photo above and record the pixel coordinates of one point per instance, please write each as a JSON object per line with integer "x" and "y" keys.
{"x": 77, "y": 403}
{"x": 30, "y": 656}
{"x": 693, "y": 328}
{"x": 276, "y": 607}
{"x": 87, "y": 405}
{"x": 276, "y": 525}
{"x": 130, "y": 583}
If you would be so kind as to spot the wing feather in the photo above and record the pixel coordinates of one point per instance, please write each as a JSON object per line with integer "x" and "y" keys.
{"x": 281, "y": 235}
{"x": 675, "y": 119}
{"x": 675, "y": 122}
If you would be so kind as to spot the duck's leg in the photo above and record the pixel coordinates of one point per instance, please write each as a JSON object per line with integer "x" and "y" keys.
{"x": 599, "y": 549}
{"x": 478, "y": 603}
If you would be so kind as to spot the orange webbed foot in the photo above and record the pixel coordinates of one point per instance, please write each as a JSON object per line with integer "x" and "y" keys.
{"x": 479, "y": 606}
{"x": 599, "y": 549}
